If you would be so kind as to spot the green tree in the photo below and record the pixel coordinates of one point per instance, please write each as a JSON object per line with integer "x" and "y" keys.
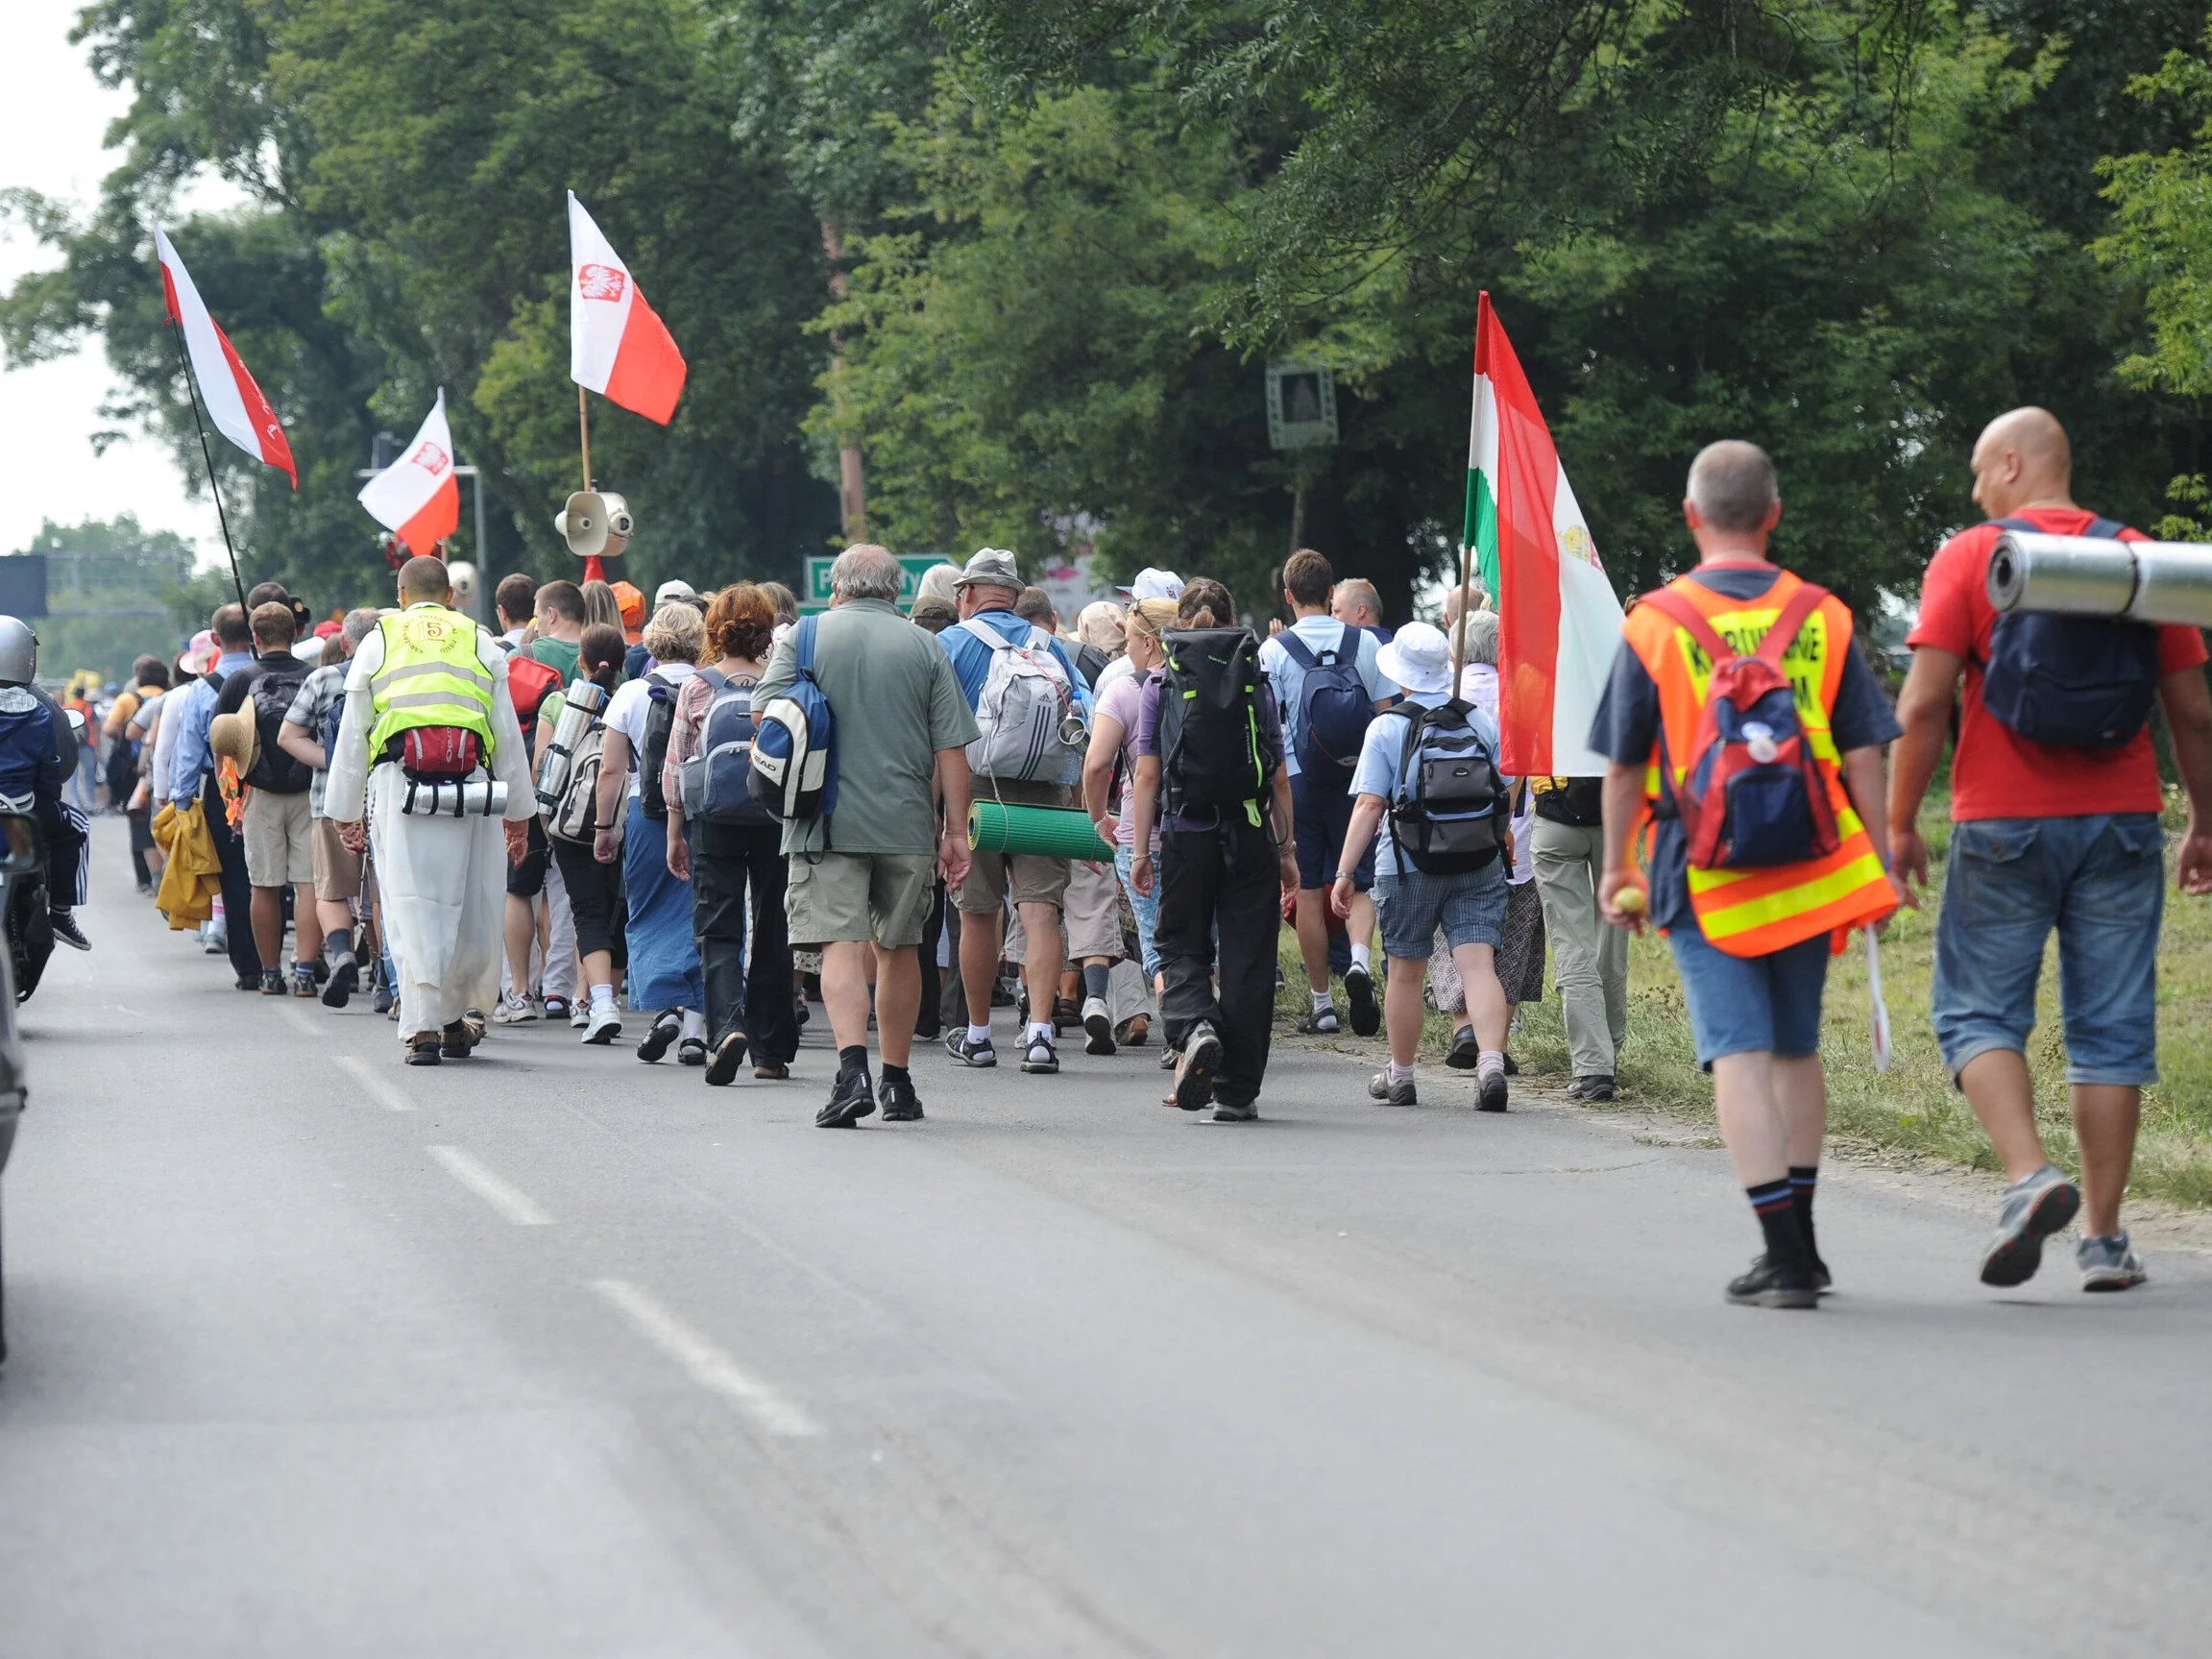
{"x": 108, "y": 586}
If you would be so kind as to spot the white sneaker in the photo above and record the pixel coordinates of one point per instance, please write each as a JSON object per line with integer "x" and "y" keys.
{"x": 1098, "y": 1026}
{"x": 601, "y": 1026}
{"x": 514, "y": 1009}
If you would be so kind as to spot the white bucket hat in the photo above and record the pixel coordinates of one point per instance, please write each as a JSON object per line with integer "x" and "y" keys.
{"x": 1419, "y": 658}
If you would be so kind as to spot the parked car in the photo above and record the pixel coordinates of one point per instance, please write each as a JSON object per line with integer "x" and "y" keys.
{"x": 21, "y": 860}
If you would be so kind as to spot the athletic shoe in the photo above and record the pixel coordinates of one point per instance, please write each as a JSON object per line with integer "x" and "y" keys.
{"x": 380, "y": 999}
{"x": 601, "y": 1026}
{"x": 1493, "y": 1095}
{"x": 145, "y": 888}
{"x": 345, "y": 979}
{"x": 1098, "y": 1026}
{"x": 1771, "y": 1284}
{"x": 457, "y": 1042}
{"x": 1133, "y": 1032}
{"x": 729, "y": 1054}
{"x": 1380, "y": 1087}
{"x": 899, "y": 1101}
{"x": 1319, "y": 1022}
{"x": 514, "y": 1009}
{"x": 1465, "y": 1050}
{"x": 1039, "y": 1057}
{"x": 1194, "y": 1072}
{"x": 663, "y": 1032}
{"x": 2036, "y": 1207}
{"x": 1243, "y": 1112}
{"x": 272, "y": 981}
{"x": 579, "y": 1015}
{"x": 214, "y": 944}
{"x": 2109, "y": 1263}
{"x": 424, "y": 1049}
{"x": 557, "y": 1008}
{"x": 1359, "y": 991}
{"x": 1169, "y": 1059}
{"x": 303, "y": 979}
{"x": 976, "y": 1054}
{"x": 850, "y": 1100}
{"x": 321, "y": 970}
{"x": 692, "y": 1051}
{"x": 65, "y": 929}
{"x": 1596, "y": 1085}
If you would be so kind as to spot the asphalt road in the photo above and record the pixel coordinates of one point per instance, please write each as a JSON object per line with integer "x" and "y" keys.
{"x": 555, "y": 1353}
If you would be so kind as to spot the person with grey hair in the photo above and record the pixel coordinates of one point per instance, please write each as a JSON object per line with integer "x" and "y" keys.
{"x": 1356, "y": 604}
{"x": 324, "y": 929}
{"x": 936, "y": 586}
{"x": 867, "y": 870}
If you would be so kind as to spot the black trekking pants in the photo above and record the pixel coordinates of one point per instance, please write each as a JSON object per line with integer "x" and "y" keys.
{"x": 1221, "y": 879}
{"x": 725, "y": 858}
{"x": 65, "y": 850}
{"x": 237, "y": 891}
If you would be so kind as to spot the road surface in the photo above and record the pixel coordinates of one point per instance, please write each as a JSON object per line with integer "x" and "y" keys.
{"x": 556, "y": 1354}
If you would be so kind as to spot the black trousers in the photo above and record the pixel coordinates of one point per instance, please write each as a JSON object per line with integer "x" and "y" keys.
{"x": 64, "y": 853}
{"x": 726, "y": 859}
{"x": 595, "y": 898}
{"x": 1221, "y": 879}
{"x": 237, "y": 891}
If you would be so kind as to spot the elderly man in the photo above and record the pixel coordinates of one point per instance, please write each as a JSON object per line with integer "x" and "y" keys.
{"x": 1357, "y": 605}
{"x": 426, "y": 695}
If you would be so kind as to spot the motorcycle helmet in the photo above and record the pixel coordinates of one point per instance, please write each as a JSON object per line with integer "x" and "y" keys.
{"x": 19, "y": 652}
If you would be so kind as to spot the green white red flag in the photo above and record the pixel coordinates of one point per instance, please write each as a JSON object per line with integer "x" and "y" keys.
{"x": 1559, "y": 619}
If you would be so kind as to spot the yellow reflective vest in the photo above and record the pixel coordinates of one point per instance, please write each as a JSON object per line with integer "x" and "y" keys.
{"x": 430, "y": 677}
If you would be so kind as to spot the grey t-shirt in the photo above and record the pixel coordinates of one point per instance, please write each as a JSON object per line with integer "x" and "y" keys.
{"x": 897, "y": 703}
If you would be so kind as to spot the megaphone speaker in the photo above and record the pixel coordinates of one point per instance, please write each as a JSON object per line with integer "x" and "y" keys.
{"x": 582, "y": 523}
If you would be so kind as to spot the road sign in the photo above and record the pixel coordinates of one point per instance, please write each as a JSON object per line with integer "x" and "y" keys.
{"x": 814, "y": 594}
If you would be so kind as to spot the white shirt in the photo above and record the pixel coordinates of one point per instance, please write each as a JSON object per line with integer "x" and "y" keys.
{"x": 626, "y": 711}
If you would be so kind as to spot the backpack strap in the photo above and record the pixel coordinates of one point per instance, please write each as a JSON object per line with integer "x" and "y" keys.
{"x": 2102, "y": 529}
{"x": 716, "y": 680}
{"x": 804, "y": 648}
{"x": 1298, "y": 649}
{"x": 976, "y": 628}
{"x": 1799, "y": 606}
{"x": 1671, "y": 604}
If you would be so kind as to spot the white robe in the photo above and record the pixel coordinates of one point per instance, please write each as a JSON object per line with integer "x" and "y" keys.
{"x": 441, "y": 882}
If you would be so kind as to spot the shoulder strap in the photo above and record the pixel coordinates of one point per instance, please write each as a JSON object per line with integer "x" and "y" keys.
{"x": 716, "y": 680}
{"x": 1297, "y": 649}
{"x": 2103, "y": 528}
{"x": 976, "y": 628}
{"x": 1681, "y": 611}
{"x": 803, "y": 649}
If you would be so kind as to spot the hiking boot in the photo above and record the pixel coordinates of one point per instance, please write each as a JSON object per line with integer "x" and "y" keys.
{"x": 660, "y": 1036}
{"x": 851, "y": 1099}
{"x": 1465, "y": 1051}
{"x": 1359, "y": 991}
{"x": 1133, "y": 1032}
{"x": 457, "y": 1042}
{"x": 1380, "y": 1087}
{"x": 1774, "y": 1284}
{"x": 303, "y": 979}
{"x": 1319, "y": 1022}
{"x": 65, "y": 929}
{"x": 979, "y": 1054}
{"x": 1194, "y": 1072}
{"x": 1596, "y": 1086}
{"x": 345, "y": 979}
{"x": 514, "y": 1009}
{"x": 2107, "y": 1262}
{"x": 1098, "y": 1026}
{"x": 423, "y": 1048}
{"x": 1039, "y": 1055}
{"x": 602, "y": 1025}
{"x": 272, "y": 981}
{"x": 729, "y": 1054}
{"x": 2036, "y": 1207}
{"x": 898, "y": 1099}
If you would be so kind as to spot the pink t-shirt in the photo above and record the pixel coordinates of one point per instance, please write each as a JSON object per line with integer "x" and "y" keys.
{"x": 1122, "y": 701}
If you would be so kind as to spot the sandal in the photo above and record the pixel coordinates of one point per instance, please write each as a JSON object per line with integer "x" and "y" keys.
{"x": 423, "y": 1049}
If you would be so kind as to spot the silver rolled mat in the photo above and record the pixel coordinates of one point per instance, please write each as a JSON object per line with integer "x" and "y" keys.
{"x": 472, "y": 797}
{"x": 2093, "y": 576}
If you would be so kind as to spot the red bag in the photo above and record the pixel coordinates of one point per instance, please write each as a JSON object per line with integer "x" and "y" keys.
{"x": 530, "y": 683}
{"x": 439, "y": 752}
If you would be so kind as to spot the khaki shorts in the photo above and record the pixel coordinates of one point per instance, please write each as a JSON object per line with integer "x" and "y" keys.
{"x": 1091, "y": 918}
{"x": 279, "y": 849}
{"x": 337, "y": 871}
{"x": 1036, "y": 880}
{"x": 883, "y": 896}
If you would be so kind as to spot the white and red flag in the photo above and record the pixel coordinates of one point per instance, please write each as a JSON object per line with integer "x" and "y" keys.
{"x": 418, "y": 496}
{"x": 617, "y": 345}
{"x": 1559, "y": 619}
{"x": 235, "y": 404}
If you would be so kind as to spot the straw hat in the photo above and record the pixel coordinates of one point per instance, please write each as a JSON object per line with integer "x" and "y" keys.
{"x": 236, "y": 735}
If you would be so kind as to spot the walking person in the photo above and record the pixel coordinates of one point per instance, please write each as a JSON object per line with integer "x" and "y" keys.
{"x": 192, "y": 772}
{"x": 279, "y": 848}
{"x": 723, "y": 842}
{"x": 1588, "y": 954}
{"x": 1209, "y": 773}
{"x": 1752, "y": 918}
{"x": 1109, "y": 766}
{"x": 594, "y": 885}
{"x": 863, "y": 872}
{"x": 126, "y": 728}
{"x": 663, "y": 951}
{"x": 2054, "y": 801}
{"x": 309, "y": 733}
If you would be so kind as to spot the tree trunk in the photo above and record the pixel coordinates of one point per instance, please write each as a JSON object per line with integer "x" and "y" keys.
{"x": 852, "y": 478}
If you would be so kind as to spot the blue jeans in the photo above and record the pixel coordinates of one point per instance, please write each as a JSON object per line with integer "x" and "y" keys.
{"x": 1144, "y": 907}
{"x": 1748, "y": 1004}
{"x": 2101, "y": 881}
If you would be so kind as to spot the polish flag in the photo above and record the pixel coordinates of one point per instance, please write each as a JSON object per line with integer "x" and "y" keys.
{"x": 1559, "y": 619}
{"x": 417, "y": 496}
{"x": 235, "y": 404}
{"x": 617, "y": 345}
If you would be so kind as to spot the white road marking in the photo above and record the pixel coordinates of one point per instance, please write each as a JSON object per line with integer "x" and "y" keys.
{"x": 297, "y": 1018}
{"x": 378, "y": 1089}
{"x": 511, "y": 1202}
{"x": 708, "y": 1365}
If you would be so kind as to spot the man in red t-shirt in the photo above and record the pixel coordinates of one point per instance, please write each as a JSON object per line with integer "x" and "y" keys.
{"x": 2047, "y": 836}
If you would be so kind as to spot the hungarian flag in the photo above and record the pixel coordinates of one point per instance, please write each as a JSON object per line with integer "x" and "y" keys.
{"x": 235, "y": 404}
{"x": 418, "y": 496}
{"x": 1559, "y": 620}
{"x": 617, "y": 345}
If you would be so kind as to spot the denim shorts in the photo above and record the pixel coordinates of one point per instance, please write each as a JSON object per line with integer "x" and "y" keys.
{"x": 1746, "y": 1004}
{"x": 1470, "y": 908}
{"x": 2101, "y": 881}
{"x": 1320, "y": 814}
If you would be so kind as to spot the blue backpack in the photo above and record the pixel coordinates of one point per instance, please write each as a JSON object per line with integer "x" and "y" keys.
{"x": 2082, "y": 682}
{"x": 1333, "y": 708}
{"x": 714, "y": 784}
{"x": 794, "y": 771}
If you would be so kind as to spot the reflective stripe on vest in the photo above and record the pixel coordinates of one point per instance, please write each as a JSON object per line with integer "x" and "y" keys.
{"x": 1756, "y": 912}
{"x": 431, "y": 677}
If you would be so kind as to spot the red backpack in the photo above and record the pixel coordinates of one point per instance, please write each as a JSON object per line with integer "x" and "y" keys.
{"x": 530, "y": 683}
{"x": 1752, "y": 795}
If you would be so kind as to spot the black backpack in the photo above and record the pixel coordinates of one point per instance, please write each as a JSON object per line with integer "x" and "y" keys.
{"x": 660, "y": 721}
{"x": 271, "y": 698}
{"x": 1210, "y": 753}
{"x": 2082, "y": 682}
{"x": 1577, "y": 802}
{"x": 1448, "y": 814}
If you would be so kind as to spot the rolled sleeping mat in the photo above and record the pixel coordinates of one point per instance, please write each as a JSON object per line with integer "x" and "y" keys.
{"x": 472, "y": 797}
{"x": 2094, "y": 576}
{"x": 1044, "y": 832}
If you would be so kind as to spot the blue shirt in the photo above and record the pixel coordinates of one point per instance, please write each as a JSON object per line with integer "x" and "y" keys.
{"x": 1287, "y": 674}
{"x": 972, "y": 666}
{"x": 195, "y": 710}
{"x": 1383, "y": 754}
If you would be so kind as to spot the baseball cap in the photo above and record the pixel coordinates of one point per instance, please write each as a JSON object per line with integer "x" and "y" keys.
{"x": 674, "y": 588}
{"x": 1154, "y": 583}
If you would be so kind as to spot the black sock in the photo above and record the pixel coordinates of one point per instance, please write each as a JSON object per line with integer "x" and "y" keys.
{"x": 895, "y": 1073}
{"x": 853, "y": 1058}
{"x": 1802, "y": 1182}
{"x": 1777, "y": 1212}
{"x": 1095, "y": 979}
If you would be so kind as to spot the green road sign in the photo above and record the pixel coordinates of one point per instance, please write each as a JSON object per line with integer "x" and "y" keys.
{"x": 815, "y": 593}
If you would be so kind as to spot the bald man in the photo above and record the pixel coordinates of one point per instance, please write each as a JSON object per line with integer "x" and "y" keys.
{"x": 2051, "y": 832}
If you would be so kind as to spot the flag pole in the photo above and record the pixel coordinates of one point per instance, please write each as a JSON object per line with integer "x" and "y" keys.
{"x": 1459, "y": 631}
{"x": 584, "y": 427}
{"x": 215, "y": 488}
